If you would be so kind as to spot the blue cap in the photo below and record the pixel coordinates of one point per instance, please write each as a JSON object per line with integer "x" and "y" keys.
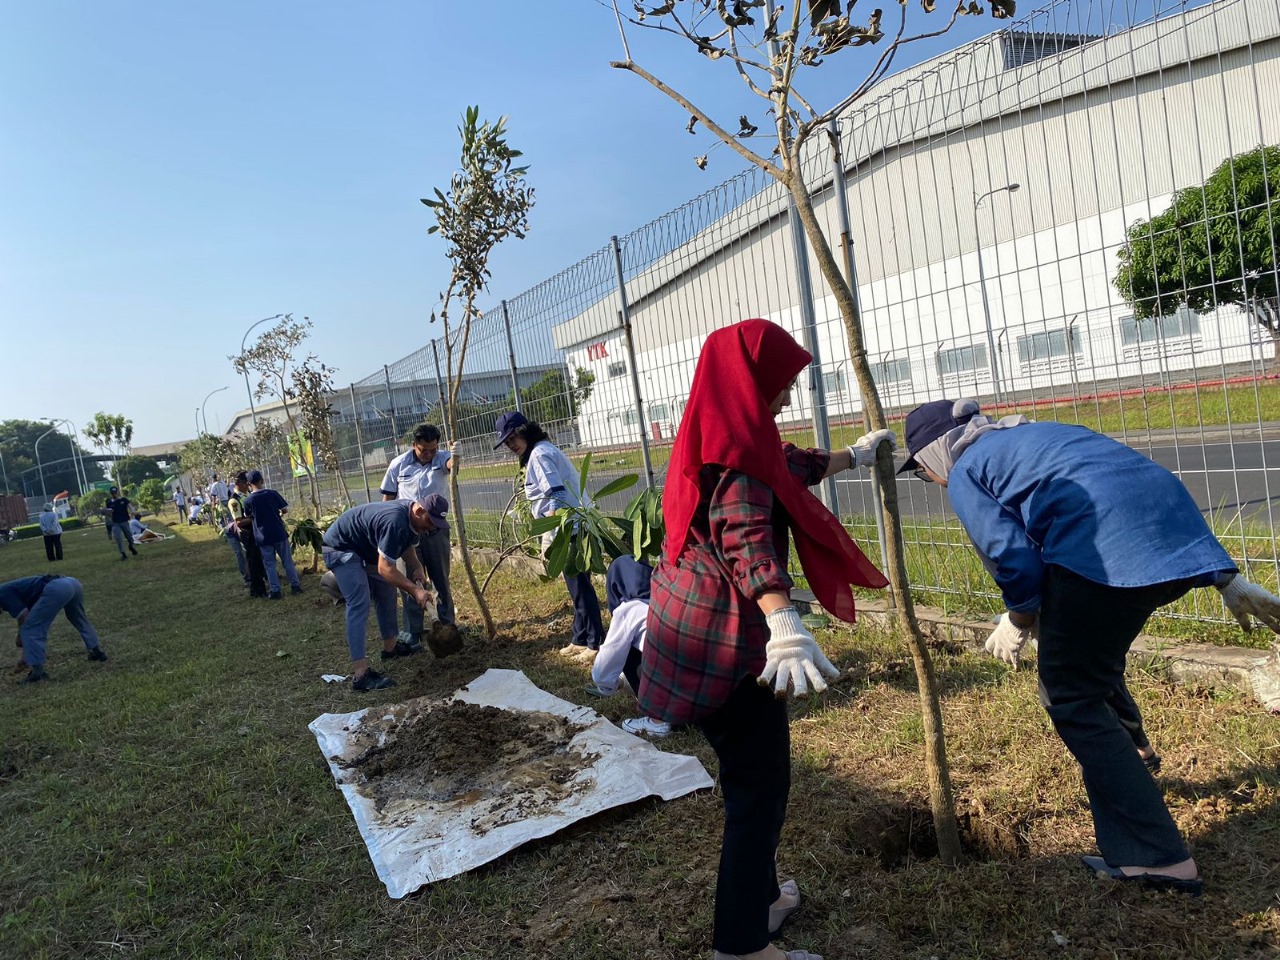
{"x": 255, "y": 477}
{"x": 929, "y": 421}
{"x": 507, "y": 424}
{"x": 436, "y": 507}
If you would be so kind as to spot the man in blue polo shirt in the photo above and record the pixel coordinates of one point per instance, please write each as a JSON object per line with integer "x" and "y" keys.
{"x": 34, "y": 602}
{"x": 419, "y": 472}
{"x": 266, "y": 508}
{"x": 119, "y": 513}
{"x": 361, "y": 548}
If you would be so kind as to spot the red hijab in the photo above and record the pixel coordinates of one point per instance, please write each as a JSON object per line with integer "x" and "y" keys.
{"x": 727, "y": 421}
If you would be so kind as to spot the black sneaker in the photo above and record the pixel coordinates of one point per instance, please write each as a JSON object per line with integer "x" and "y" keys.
{"x": 401, "y": 649}
{"x": 275, "y": 596}
{"x": 371, "y": 680}
{"x": 133, "y": 551}
{"x": 98, "y": 655}
{"x": 295, "y": 589}
{"x": 35, "y": 676}
{"x": 123, "y": 557}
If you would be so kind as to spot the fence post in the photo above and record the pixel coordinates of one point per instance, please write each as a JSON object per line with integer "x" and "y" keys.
{"x": 511, "y": 356}
{"x": 851, "y": 274}
{"x": 624, "y": 316}
{"x": 817, "y": 389}
{"x": 444, "y": 413}
{"x": 364, "y": 469}
{"x": 391, "y": 401}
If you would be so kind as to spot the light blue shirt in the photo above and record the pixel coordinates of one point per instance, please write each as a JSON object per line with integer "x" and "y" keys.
{"x": 408, "y": 478}
{"x": 550, "y": 482}
{"x": 1051, "y": 493}
{"x": 49, "y": 525}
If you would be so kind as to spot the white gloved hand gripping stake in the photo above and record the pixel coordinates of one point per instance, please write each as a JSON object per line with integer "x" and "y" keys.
{"x": 1008, "y": 639}
{"x": 863, "y": 451}
{"x": 792, "y": 657}
{"x": 1244, "y": 598}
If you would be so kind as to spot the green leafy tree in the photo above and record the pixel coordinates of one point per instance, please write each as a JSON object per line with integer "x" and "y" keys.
{"x": 488, "y": 200}
{"x": 57, "y": 454}
{"x": 549, "y": 398}
{"x": 1214, "y": 245}
{"x": 152, "y": 495}
{"x": 91, "y": 504}
{"x": 133, "y": 470}
{"x": 773, "y": 49}
{"x": 112, "y": 433}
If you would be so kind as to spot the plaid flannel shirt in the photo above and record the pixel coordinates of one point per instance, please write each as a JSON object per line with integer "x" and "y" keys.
{"x": 705, "y": 630}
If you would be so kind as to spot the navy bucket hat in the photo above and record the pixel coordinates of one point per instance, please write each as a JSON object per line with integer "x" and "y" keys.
{"x": 507, "y": 424}
{"x": 929, "y": 421}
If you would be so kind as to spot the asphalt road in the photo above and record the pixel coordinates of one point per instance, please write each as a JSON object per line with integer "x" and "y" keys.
{"x": 1241, "y": 476}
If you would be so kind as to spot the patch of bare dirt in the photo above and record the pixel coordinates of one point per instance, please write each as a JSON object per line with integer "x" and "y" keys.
{"x": 520, "y": 762}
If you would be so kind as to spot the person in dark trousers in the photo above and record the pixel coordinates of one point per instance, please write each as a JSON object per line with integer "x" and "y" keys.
{"x": 551, "y": 483}
{"x": 1086, "y": 538}
{"x": 34, "y": 602}
{"x": 180, "y": 503}
{"x": 423, "y": 470}
{"x": 361, "y": 548}
{"x": 241, "y": 527}
{"x": 119, "y": 512}
{"x": 51, "y": 530}
{"x": 266, "y": 508}
{"x": 725, "y": 646}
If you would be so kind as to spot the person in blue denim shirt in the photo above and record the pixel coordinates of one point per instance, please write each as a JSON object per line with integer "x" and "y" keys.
{"x": 361, "y": 548}
{"x": 267, "y": 508}
{"x": 1086, "y": 538}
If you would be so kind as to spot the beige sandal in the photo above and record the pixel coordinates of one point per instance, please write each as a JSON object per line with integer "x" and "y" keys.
{"x": 779, "y": 915}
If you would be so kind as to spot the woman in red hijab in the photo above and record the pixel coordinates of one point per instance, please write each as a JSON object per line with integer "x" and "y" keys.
{"x": 722, "y": 630}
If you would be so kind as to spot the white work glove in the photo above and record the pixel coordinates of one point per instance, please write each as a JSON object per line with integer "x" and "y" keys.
{"x": 863, "y": 451}
{"x": 1244, "y": 598}
{"x": 1008, "y": 639}
{"x": 454, "y": 455}
{"x": 792, "y": 657}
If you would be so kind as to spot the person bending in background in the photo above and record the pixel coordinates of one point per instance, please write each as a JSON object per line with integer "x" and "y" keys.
{"x": 627, "y": 592}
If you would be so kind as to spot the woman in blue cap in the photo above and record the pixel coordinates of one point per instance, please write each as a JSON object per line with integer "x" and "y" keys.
{"x": 1086, "y": 538}
{"x": 551, "y": 482}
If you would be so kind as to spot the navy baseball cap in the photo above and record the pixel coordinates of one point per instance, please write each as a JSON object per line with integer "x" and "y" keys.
{"x": 254, "y": 477}
{"x": 929, "y": 421}
{"x": 114, "y": 490}
{"x": 507, "y": 424}
{"x": 436, "y": 507}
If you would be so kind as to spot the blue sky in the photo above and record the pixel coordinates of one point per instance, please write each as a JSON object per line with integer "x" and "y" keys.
{"x": 173, "y": 172}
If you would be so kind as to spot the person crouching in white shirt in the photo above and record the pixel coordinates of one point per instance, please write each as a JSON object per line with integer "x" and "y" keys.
{"x": 627, "y": 589}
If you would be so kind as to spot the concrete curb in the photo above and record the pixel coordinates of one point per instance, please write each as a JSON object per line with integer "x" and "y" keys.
{"x": 1254, "y": 672}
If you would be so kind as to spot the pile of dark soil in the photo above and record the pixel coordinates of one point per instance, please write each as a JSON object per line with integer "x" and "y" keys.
{"x": 465, "y": 753}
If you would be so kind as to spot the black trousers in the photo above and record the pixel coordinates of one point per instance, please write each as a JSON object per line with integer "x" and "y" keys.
{"x": 53, "y": 546}
{"x": 588, "y": 627}
{"x": 631, "y": 669}
{"x": 253, "y": 559}
{"x": 1086, "y": 630}
{"x": 752, "y": 739}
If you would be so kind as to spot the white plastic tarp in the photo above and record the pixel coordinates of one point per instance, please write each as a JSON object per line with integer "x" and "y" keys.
{"x": 433, "y": 841}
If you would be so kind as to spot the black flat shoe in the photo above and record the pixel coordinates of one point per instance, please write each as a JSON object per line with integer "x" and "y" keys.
{"x": 1150, "y": 881}
{"x": 1152, "y": 763}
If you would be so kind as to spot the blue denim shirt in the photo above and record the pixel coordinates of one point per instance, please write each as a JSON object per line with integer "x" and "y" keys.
{"x": 1051, "y": 493}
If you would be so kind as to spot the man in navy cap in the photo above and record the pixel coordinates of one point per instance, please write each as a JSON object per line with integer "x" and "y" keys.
{"x": 1086, "y": 538}
{"x": 361, "y": 548}
{"x": 266, "y": 508}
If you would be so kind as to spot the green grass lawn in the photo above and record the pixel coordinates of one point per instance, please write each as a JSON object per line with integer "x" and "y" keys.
{"x": 172, "y": 803}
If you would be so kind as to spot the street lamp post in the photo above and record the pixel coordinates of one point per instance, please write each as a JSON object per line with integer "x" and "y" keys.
{"x": 206, "y": 400}
{"x": 40, "y": 466}
{"x": 81, "y": 476}
{"x": 4, "y": 471}
{"x": 253, "y": 414}
{"x": 982, "y": 283}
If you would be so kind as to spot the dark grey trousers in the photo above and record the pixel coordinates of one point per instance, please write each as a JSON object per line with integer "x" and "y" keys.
{"x": 1085, "y": 633}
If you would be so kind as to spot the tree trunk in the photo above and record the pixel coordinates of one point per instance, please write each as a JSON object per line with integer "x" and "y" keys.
{"x": 941, "y": 799}
{"x": 460, "y": 525}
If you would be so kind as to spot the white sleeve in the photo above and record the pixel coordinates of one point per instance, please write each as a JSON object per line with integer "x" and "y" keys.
{"x": 626, "y": 630}
{"x": 390, "y": 485}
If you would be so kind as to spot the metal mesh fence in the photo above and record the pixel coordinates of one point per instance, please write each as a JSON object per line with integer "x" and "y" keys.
{"x": 987, "y": 195}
